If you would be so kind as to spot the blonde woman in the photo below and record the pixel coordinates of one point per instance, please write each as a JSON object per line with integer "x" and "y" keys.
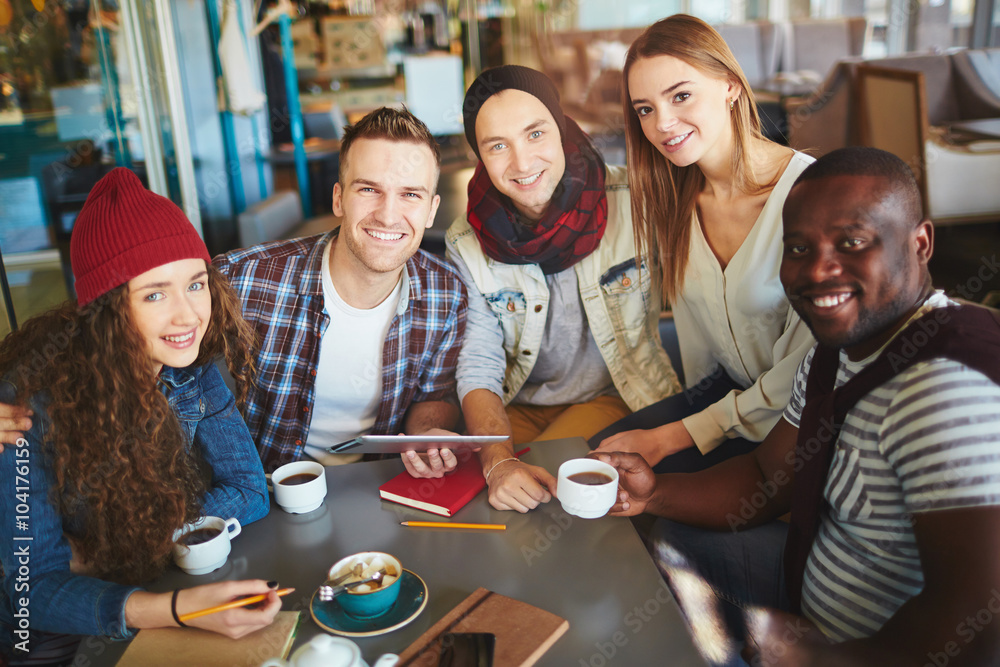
{"x": 707, "y": 191}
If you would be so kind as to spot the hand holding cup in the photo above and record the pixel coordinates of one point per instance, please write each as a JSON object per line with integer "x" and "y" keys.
{"x": 636, "y": 481}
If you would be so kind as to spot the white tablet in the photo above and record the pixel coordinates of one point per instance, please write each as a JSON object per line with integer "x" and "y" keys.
{"x": 397, "y": 444}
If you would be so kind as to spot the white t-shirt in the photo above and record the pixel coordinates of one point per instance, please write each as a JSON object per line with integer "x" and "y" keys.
{"x": 349, "y": 373}
{"x": 926, "y": 440}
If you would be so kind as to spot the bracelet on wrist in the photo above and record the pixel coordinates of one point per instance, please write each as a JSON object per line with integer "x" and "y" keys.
{"x": 493, "y": 467}
{"x": 173, "y": 607}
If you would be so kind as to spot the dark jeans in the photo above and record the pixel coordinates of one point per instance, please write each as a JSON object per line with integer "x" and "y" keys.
{"x": 674, "y": 408}
{"x": 741, "y": 568}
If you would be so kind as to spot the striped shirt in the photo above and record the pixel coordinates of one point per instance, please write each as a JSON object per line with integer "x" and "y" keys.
{"x": 281, "y": 288}
{"x": 926, "y": 440}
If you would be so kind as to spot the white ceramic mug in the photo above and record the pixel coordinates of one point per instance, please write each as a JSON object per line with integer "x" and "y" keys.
{"x": 211, "y": 554}
{"x": 587, "y": 501}
{"x": 299, "y": 498}
{"x": 328, "y": 651}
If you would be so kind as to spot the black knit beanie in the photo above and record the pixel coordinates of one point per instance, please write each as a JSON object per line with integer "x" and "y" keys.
{"x": 498, "y": 79}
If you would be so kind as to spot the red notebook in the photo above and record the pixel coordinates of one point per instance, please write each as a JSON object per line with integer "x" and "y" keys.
{"x": 444, "y": 495}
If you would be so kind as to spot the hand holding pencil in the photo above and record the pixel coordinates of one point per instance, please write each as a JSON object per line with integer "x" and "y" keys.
{"x": 223, "y": 607}
{"x": 234, "y": 604}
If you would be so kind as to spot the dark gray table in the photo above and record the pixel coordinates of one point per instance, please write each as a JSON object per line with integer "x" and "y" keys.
{"x": 595, "y": 573}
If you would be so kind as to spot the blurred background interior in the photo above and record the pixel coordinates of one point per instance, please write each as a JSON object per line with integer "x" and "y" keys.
{"x": 234, "y": 108}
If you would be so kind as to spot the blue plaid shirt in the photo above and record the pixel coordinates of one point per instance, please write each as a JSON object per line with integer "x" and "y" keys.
{"x": 281, "y": 287}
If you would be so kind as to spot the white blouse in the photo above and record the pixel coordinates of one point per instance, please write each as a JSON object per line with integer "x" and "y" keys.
{"x": 739, "y": 319}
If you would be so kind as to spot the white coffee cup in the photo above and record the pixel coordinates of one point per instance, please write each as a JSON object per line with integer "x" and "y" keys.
{"x": 586, "y": 500}
{"x": 211, "y": 554}
{"x": 303, "y": 497}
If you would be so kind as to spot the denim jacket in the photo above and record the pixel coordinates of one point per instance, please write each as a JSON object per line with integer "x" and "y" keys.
{"x": 618, "y": 297}
{"x": 38, "y": 590}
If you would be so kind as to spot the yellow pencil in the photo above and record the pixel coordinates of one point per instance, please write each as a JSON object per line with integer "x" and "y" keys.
{"x": 242, "y": 602}
{"x": 446, "y": 524}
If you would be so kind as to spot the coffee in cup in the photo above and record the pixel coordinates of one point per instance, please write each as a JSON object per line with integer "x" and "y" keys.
{"x": 203, "y": 546}
{"x": 587, "y": 488}
{"x": 200, "y": 536}
{"x": 590, "y": 478}
{"x": 299, "y": 487}
{"x": 301, "y": 478}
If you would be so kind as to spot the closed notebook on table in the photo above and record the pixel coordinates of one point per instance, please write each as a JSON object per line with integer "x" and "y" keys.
{"x": 523, "y": 632}
{"x": 169, "y": 647}
{"x": 444, "y": 495}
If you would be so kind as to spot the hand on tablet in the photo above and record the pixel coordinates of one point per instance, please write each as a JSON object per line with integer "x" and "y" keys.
{"x": 432, "y": 463}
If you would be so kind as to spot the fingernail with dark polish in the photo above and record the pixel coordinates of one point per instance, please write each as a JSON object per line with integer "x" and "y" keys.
{"x": 272, "y": 584}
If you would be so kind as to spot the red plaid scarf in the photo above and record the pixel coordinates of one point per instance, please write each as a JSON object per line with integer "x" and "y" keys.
{"x": 572, "y": 226}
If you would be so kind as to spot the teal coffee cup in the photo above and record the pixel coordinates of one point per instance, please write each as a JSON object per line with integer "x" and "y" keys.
{"x": 368, "y": 600}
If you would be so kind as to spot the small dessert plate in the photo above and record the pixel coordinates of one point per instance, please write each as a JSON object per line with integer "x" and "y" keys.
{"x": 411, "y": 601}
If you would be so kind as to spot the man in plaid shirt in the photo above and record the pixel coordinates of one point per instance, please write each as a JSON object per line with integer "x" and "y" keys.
{"x": 358, "y": 330}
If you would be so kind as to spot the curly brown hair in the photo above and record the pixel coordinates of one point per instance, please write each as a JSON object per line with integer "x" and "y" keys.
{"x": 124, "y": 479}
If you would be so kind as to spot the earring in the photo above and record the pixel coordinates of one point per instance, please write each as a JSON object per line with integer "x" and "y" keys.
{"x": 732, "y": 103}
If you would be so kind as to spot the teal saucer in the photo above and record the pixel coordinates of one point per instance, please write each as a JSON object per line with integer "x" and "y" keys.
{"x": 411, "y": 601}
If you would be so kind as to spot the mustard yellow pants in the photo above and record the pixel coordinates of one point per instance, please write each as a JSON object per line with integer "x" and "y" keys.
{"x": 552, "y": 422}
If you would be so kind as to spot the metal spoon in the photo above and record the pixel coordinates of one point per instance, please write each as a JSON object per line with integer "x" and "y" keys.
{"x": 353, "y": 572}
{"x": 356, "y": 572}
{"x": 327, "y": 593}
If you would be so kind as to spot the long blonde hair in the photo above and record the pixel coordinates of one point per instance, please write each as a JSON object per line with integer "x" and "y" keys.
{"x": 663, "y": 195}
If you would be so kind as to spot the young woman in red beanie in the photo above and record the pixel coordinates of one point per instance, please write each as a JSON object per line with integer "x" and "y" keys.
{"x": 134, "y": 435}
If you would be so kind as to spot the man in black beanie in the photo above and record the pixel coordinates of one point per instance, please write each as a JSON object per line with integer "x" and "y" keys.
{"x": 562, "y": 333}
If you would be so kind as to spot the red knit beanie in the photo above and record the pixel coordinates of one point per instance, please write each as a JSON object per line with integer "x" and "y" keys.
{"x": 125, "y": 230}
